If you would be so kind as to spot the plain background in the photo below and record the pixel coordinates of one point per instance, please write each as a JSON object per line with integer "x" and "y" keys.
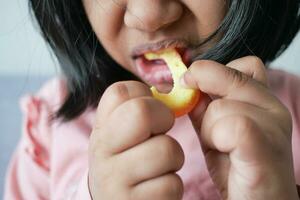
{"x": 25, "y": 63}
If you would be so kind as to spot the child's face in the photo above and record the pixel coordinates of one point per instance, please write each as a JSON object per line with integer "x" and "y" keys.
{"x": 129, "y": 28}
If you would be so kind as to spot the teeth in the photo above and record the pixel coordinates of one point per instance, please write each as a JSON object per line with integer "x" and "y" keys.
{"x": 155, "y": 62}
{"x": 159, "y": 62}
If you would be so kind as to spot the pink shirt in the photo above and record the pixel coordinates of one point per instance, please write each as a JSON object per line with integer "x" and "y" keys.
{"x": 51, "y": 159}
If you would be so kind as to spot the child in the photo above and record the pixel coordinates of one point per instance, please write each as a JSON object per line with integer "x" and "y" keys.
{"x": 129, "y": 146}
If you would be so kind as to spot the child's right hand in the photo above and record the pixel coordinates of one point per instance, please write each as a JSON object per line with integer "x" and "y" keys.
{"x": 130, "y": 155}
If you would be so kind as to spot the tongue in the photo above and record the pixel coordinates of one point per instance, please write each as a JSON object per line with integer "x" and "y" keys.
{"x": 155, "y": 72}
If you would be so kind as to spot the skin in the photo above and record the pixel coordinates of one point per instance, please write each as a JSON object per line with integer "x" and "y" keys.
{"x": 245, "y": 132}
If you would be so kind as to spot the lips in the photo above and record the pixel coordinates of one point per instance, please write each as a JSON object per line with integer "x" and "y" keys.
{"x": 152, "y": 47}
{"x": 156, "y": 72}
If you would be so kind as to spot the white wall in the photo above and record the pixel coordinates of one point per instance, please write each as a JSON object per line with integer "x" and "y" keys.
{"x": 290, "y": 59}
{"x": 23, "y": 52}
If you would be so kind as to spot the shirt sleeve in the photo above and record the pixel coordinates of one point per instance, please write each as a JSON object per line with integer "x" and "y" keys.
{"x": 29, "y": 175}
{"x": 286, "y": 87}
{"x": 82, "y": 192}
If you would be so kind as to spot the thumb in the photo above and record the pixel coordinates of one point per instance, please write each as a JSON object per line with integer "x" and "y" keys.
{"x": 196, "y": 115}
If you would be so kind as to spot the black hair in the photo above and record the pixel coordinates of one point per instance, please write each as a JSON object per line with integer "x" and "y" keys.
{"x": 263, "y": 28}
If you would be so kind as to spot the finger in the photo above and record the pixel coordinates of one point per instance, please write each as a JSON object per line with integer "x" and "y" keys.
{"x": 216, "y": 79}
{"x": 132, "y": 123}
{"x": 117, "y": 94}
{"x": 222, "y": 109}
{"x": 156, "y": 156}
{"x": 251, "y": 66}
{"x": 198, "y": 112}
{"x": 166, "y": 187}
{"x": 236, "y": 134}
{"x": 250, "y": 150}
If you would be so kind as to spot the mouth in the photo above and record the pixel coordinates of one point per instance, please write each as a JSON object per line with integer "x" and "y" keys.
{"x": 156, "y": 72}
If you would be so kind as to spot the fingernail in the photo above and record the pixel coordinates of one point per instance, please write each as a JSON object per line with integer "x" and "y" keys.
{"x": 186, "y": 81}
{"x": 182, "y": 82}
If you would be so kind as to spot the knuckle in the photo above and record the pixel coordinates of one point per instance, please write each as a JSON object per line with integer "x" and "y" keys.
{"x": 172, "y": 151}
{"x": 243, "y": 124}
{"x": 173, "y": 186}
{"x": 238, "y": 78}
{"x": 287, "y": 116}
{"x": 149, "y": 25}
{"x": 168, "y": 146}
{"x": 142, "y": 88}
{"x": 285, "y": 120}
{"x": 139, "y": 108}
{"x": 255, "y": 61}
{"x": 258, "y": 70}
{"x": 244, "y": 128}
{"x": 216, "y": 106}
{"x": 118, "y": 90}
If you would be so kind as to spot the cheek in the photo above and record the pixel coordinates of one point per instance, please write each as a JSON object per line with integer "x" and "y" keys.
{"x": 106, "y": 17}
{"x": 208, "y": 13}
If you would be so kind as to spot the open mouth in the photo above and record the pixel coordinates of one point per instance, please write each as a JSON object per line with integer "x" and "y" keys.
{"x": 156, "y": 72}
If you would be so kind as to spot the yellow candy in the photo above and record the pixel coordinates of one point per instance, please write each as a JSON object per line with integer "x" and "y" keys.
{"x": 180, "y": 100}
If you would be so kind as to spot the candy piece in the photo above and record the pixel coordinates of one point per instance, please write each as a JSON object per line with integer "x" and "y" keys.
{"x": 180, "y": 100}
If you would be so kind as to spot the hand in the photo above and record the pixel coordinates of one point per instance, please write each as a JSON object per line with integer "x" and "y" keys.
{"x": 245, "y": 132}
{"x": 130, "y": 156}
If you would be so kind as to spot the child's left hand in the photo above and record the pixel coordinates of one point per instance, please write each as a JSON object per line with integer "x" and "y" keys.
{"x": 245, "y": 132}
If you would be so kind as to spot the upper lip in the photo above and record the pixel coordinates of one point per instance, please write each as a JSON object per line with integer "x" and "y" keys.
{"x": 163, "y": 44}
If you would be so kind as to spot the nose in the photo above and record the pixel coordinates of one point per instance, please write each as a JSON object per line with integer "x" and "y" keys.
{"x": 152, "y": 15}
